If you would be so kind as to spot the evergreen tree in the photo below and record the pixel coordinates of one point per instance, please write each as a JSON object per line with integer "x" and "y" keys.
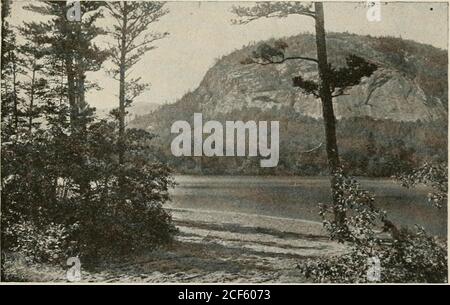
{"x": 12, "y": 112}
{"x": 34, "y": 85}
{"x": 133, "y": 40}
{"x": 332, "y": 82}
{"x": 70, "y": 46}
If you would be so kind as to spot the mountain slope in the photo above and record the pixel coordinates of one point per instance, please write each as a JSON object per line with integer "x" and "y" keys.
{"x": 393, "y": 121}
{"x": 410, "y": 84}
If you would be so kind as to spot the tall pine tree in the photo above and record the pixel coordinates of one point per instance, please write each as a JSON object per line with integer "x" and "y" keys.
{"x": 70, "y": 46}
{"x": 332, "y": 82}
{"x": 133, "y": 38}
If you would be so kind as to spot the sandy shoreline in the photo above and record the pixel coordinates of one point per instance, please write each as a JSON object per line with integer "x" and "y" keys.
{"x": 213, "y": 247}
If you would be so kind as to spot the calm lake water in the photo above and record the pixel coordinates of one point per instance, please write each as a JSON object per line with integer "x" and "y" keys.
{"x": 297, "y": 197}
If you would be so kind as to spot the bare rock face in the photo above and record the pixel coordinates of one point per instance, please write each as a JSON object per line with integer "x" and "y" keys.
{"x": 390, "y": 93}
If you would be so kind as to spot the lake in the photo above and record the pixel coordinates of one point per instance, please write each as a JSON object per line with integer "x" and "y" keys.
{"x": 297, "y": 197}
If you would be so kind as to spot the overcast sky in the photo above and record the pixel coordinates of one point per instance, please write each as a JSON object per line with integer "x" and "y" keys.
{"x": 200, "y": 32}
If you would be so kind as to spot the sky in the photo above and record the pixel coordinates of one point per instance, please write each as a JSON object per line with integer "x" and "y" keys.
{"x": 202, "y": 32}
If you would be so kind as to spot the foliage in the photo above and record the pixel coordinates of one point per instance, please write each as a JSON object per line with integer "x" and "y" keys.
{"x": 417, "y": 259}
{"x": 41, "y": 186}
{"x": 60, "y": 172}
{"x": 272, "y": 9}
{"x": 340, "y": 78}
{"x": 406, "y": 256}
{"x": 121, "y": 219}
{"x": 368, "y": 147}
{"x": 308, "y": 86}
{"x": 48, "y": 243}
{"x": 266, "y": 52}
{"x": 133, "y": 39}
{"x": 362, "y": 215}
{"x": 434, "y": 175}
{"x": 356, "y": 68}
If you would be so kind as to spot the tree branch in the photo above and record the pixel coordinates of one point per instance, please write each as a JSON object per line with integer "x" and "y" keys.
{"x": 276, "y": 62}
{"x": 271, "y": 10}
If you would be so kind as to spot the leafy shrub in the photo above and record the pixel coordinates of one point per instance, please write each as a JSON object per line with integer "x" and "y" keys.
{"x": 122, "y": 211}
{"x": 120, "y": 220}
{"x": 418, "y": 258}
{"x": 358, "y": 205}
{"x": 17, "y": 268}
{"x": 405, "y": 256}
{"x": 13, "y": 268}
{"x": 415, "y": 258}
{"x": 66, "y": 196}
{"x": 434, "y": 175}
{"x": 38, "y": 244}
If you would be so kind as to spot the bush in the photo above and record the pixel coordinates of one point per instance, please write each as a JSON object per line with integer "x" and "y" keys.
{"x": 48, "y": 243}
{"x": 418, "y": 258}
{"x": 66, "y": 195}
{"x": 434, "y": 175}
{"x": 415, "y": 258}
{"x": 404, "y": 257}
{"x": 122, "y": 219}
{"x": 122, "y": 210}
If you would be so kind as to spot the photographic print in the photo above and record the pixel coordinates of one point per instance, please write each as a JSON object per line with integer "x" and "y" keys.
{"x": 224, "y": 142}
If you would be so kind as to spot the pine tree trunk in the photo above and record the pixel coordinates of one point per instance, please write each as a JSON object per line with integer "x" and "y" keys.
{"x": 15, "y": 100}
{"x": 80, "y": 100}
{"x": 71, "y": 91}
{"x": 122, "y": 89}
{"x": 30, "y": 115}
{"x": 69, "y": 67}
{"x": 327, "y": 107}
{"x": 122, "y": 74}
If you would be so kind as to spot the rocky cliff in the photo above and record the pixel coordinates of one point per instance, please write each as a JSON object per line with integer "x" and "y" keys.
{"x": 409, "y": 85}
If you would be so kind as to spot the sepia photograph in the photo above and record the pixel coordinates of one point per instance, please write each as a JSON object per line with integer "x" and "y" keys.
{"x": 206, "y": 142}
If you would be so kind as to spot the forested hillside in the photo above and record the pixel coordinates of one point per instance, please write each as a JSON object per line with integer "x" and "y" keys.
{"x": 394, "y": 120}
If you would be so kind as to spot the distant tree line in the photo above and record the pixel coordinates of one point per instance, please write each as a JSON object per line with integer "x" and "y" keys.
{"x": 368, "y": 147}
